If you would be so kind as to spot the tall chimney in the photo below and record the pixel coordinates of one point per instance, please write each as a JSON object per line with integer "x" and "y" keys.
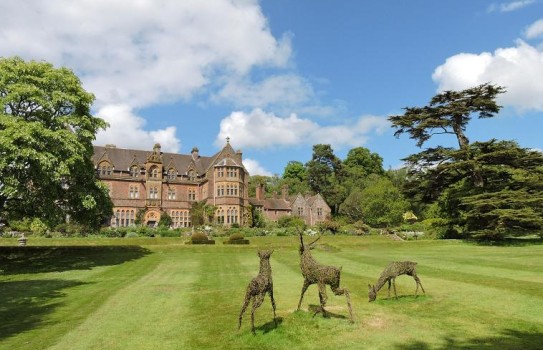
{"x": 260, "y": 192}
{"x": 195, "y": 153}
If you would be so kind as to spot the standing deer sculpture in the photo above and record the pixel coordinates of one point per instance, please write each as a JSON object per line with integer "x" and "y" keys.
{"x": 389, "y": 274}
{"x": 258, "y": 287}
{"x": 314, "y": 272}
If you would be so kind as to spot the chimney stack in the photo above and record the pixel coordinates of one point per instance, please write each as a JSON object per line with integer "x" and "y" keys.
{"x": 284, "y": 192}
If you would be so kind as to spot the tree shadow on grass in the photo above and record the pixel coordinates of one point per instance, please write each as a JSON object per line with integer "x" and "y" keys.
{"x": 24, "y": 304}
{"x": 510, "y": 242}
{"x": 38, "y": 259}
{"x": 508, "y": 339}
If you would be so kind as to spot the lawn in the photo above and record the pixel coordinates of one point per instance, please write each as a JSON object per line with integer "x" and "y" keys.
{"x": 157, "y": 293}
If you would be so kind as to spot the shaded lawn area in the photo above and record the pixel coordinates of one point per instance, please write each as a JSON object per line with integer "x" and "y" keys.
{"x": 161, "y": 294}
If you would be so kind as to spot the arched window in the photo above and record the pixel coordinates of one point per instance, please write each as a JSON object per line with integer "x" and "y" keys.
{"x": 153, "y": 172}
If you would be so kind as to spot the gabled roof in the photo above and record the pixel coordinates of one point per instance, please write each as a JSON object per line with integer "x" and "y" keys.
{"x": 122, "y": 159}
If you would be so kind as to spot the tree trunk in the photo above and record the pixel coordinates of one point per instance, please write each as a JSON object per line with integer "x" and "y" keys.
{"x": 463, "y": 142}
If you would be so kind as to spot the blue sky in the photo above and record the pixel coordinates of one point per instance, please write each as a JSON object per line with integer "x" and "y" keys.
{"x": 278, "y": 76}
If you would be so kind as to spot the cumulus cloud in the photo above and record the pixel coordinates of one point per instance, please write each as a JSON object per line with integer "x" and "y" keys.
{"x": 512, "y": 67}
{"x": 260, "y": 129}
{"x": 146, "y": 52}
{"x": 510, "y": 6}
{"x": 254, "y": 168}
{"x": 128, "y": 128}
{"x": 535, "y": 30}
{"x": 284, "y": 89}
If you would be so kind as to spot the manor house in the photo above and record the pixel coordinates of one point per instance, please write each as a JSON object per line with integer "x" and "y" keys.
{"x": 154, "y": 182}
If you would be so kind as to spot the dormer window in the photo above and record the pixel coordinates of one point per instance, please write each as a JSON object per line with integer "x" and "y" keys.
{"x": 104, "y": 169}
{"x": 134, "y": 171}
{"x": 191, "y": 175}
{"x": 171, "y": 174}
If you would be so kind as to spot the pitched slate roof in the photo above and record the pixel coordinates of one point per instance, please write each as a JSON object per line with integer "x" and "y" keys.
{"x": 123, "y": 159}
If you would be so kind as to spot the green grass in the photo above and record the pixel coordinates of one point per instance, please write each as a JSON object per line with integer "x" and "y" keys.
{"x": 158, "y": 293}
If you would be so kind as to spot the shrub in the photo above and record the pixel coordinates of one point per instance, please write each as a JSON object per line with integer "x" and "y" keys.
{"x": 236, "y": 235}
{"x": 236, "y": 238}
{"x": 361, "y": 228}
{"x": 330, "y": 225}
{"x": 199, "y": 237}
{"x": 291, "y": 221}
{"x": 38, "y": 227}
{"x": 131, "y": 234}
{"x": 20, "y": 225}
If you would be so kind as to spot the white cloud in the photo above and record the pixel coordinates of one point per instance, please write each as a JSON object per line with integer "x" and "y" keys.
{"x": 535, "y": 30}
{"x": 515, "y": 68}
{"x": 127, "y": 128}
{"x": 510, "y": 6}
{"x": 285, "y": 89}
{"x": 254, "y": 168}
{"x": 261, "y": 130}
{"x": 142, "y": 53}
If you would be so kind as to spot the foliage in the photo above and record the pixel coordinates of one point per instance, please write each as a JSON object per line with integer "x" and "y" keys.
{"x": 382, "y": 203}
{"x": 46, "y": 134}
{"x": 257, "y": 218}
{"x": 509, "y": 203}
{"x": 360, "y": 163}
{"x": 352, "y": 206}
{"x": 140, "y": 215}
{"x": 131, "y": 234}
{"x": 20, "y": 225}
{"x": 331, "y": 226}
{"x": 199, "y": 237}
{"x": 291, "y": 221}
{"x": 485, "y": 190}
{"x": 202, "y": 213}
{"x": 325, "y": 175}
{"x": 165, "y": 220}
{"x": 361, "y": 228}
{"x": 38, "y": 227}
{"x": 448, "y": 113}
{"x": 409, "y": 217}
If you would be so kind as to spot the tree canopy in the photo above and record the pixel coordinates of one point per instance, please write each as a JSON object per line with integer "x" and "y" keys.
{"x": 325, "y": 175}
{"x": 46, "y": 134}
{"x": 486, "y": 189}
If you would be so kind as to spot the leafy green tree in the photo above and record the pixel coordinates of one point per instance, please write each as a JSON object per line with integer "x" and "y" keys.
{"x": 295, "y": 170}
{"x": 295, "y": 178}
{"x": 351, "y": 208}
{"x": 325, "y": 175}
{"x": 197, "y": 213}
{"x": 382, "y": 204}
{"x": 449, "y": 113}
{"x": 46, "y": 134}
{"x": 360, "y": 163}
{"x": 484, "y": 190}
{"x": 165, "y": 220}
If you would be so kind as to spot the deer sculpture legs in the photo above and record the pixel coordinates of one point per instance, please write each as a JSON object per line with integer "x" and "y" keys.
{"x": 257, "y": 289}
{"x": 323, "y": 297}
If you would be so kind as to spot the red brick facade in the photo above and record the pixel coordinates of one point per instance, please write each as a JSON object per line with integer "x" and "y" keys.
{"x": 154, "y": 182}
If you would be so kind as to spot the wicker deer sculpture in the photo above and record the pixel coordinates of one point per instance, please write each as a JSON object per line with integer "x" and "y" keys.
{"x": 258, "y": 287}
{"x": 389, "y": 274}
{"x": 314, "y": 272}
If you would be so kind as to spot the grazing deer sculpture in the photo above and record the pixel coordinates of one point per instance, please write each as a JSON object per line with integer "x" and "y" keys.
{"x": 258, "y": 287}
{"x": 389, "y": 275}
{"x": 314, "y": 272}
